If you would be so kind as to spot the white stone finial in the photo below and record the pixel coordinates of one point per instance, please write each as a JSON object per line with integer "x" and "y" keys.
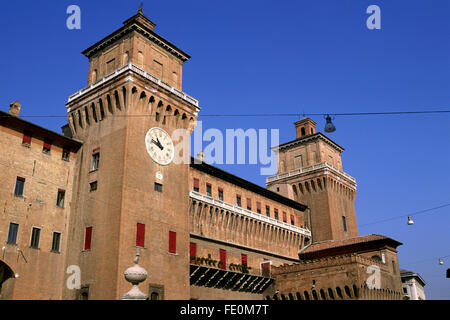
{"x": 135, "y": 275}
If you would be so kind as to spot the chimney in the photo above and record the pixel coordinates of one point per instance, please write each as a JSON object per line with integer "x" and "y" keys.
{"x": 14, "y": 108}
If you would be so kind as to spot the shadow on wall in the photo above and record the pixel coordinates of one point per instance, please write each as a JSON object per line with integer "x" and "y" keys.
{"x": 7, "y": 278}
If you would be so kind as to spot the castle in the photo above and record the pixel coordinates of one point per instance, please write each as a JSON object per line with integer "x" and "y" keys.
{"x": 107, "y": 188}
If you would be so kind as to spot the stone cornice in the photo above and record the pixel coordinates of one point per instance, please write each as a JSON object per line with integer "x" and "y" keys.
{"x": 312, "y": 137}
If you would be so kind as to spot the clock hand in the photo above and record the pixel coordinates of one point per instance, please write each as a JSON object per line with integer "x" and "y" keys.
{"x": 158, "y": 144}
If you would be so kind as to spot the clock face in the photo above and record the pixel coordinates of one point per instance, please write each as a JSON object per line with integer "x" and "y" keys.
{"x": 159, "y": 146}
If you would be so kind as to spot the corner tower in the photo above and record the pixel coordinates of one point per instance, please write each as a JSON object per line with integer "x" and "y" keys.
{"x": 310, "y": 171}
{"x": 130, "y": 196}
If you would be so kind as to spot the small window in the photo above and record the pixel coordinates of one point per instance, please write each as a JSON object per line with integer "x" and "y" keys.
{"x": 20, "y": 184}
{"x": 284, "y": 217}
{"x": 55, "y": 242}
{"x": 47, "y": 146}
{"x": 95, "y": 161}
{"x": 92, "y": 186}
{"x": 220, "y": 194}
{"x": 65, "y": 154}
{"x": 35, "y": 236}
{"x": 12, "y": 234}
{"x": 344, "y": 223}
{"x": 88, "y": 238}
{"x": 268, "y": 211}
{"x": 275, "y": 212}
{"x": 158, "y": 187}
{"x": 258, "y": 207}
{"x": 303, "y": 132}
{"x": 208, "y": 189}
{"x": 26, "y": 140}
{"x": 172, "y": 242}
{"x": 140, "y": 235}
{"x": 249, "y": 204}
{"x": 238, "y": 200}
{"x": 196, "y": 185}
{"x": 60, "y": 198}
{"x": 292, "y": 219}
{"x": 394, "y": 269}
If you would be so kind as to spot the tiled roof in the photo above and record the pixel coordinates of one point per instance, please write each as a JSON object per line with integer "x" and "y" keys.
{"x": 328, "y": 244}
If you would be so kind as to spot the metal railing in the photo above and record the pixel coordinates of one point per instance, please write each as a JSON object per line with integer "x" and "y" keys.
{"x": 323, "y": 165}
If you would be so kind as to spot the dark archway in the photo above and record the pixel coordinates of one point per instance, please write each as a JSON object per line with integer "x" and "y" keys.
{"x": 7, "y": 277}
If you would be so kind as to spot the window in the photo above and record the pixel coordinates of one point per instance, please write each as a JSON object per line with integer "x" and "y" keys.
{"x": 12, "y": 234}
{"x": 394, "y": 270}
{"x": 47, "y": 146}
{"x": 265, "y": 268}
{"x": 95, "y": 161}
{"x": 193, "y": 249}
{"x": 60, "y": 198}
{"x": 268, "y": 211}
{"x": 238, "y": 200}
{"x": 221, "y": 194}
{"x": 258, "y": 207}
{"x": 55, "y": 242}
{"x": 344, "y": 223}
{"x": 292, "y": 219}
{"x": 88, "y": 238}
{"x": 172, "y": 242}
{"x": 26, "y": 140}
{"x": 223, "y": 259}
{"x": 249, "y": 204}
{"x": 92, "y": 186}
{"x": 65, "y": 154}
{"x": 140, "y": 235}
{"x": 20, "y": 183}
{"x": 35, "y": 235}
{"x": 196, "y": 185}
{"x": 244, "y": 259}
{"x": 275, "y": 212}
{"x": 208, "y": 189}
{"x": 284, "y": 217}
{"x": 158, "y": 187}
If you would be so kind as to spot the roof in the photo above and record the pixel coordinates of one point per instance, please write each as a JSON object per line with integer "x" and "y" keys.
{"x": 226, "y": 176}
{"x": 406, "y": 274}
{"x": 317, "y": 135}
{"x": 140, "y": 23}
{"x": 332, "y": 247}
{"x": 8, "y": 120}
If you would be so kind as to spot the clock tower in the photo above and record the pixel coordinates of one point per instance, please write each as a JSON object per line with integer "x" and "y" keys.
{"x": 310, "y": 172}
{"x": 131, "y": 195}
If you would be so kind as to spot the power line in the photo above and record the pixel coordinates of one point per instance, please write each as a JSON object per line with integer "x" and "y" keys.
{"x": 407, "y": 215}
{"x": 264, "y": 114}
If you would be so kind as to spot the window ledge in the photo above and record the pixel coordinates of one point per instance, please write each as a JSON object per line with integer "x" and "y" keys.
{"x": 139, "y": 247}
{"x": 53, "y": 251}
{"x": 35, "y": 248}
{"x": 173, "y": 254}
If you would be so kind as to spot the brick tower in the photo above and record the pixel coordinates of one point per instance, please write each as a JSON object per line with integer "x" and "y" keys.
{"x": 310, "y": 172}
{"x": 129, "y": 196}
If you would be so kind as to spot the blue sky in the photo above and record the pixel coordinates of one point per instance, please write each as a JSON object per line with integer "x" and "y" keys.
{"x": 283, "y": 57}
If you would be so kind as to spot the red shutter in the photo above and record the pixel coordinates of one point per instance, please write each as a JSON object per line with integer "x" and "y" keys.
{"x": 21, "y": 179}
{"x": 196, "y": 183}
{"x": 265, "y": 268}
{"x": 140, "y": 235}
{"x": 87, "y": 238}
{"x": 220, "y": 190}
{"x": 47, "y": 145}
{"x": 26, "y": 137}
{"x": 172, "y": 242}
{"x": 223, "y": 259}
{"x": 249, "y": 204}
{"x": 284, "y": 217}
{"x": 258, "y": 206}
{"x": 193, "y": 249}
{"x": 292, "y": 219}
{"x": 244, "y": 259}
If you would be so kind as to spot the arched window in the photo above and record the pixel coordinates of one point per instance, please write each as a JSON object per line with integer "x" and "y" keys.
{"x": 303, "y": 132}
{"x": 322, "y": 295}
{"x": 330, "y": 293}
{"x": 339, "y": 292}
{"x": 154, "y": 296}
{"x": 306, "y": 294}
{"x": 347, "y": 291}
